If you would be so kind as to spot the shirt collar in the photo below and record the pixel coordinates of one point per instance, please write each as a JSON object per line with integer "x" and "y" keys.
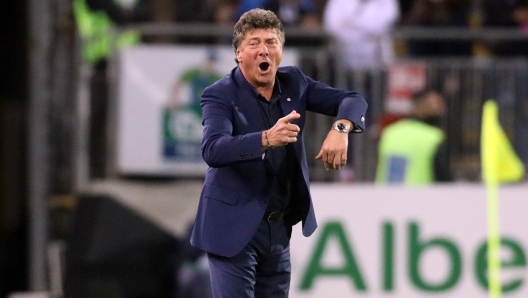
{"x": 241, "y": 81}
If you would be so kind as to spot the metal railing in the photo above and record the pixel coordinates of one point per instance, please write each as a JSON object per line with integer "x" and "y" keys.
{"x": 400, "y": 33}
{"x": 465, "y": 85}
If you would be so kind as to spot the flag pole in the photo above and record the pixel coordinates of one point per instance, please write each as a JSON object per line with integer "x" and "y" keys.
{"x": 500, "y": 164}
{"x": 494, "y": 262}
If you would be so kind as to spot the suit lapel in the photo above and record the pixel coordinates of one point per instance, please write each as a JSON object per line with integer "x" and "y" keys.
{"x": 246, "y": 104}
{"x": 250, "y": 109}
{"x": 288, "y": 103}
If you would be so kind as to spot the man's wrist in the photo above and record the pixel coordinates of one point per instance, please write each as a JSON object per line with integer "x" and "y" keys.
{"x": 267, "y": 140}
{"x": 265, "y": 144}
{"x": 344, "y": 126}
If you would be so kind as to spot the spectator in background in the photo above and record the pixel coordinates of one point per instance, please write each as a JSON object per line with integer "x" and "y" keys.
{"x": 294, "y": 12}
{"x": 405, "y": 6}
{"x": 438, "y": 14}
{"x": 412, "y": 151}
{"x": 362, "y": 31}
{"x": 224, "y": 12}
{"x": 121, "y": 12}
{"x": 507, "y": 14}
{"x": 290, "y": 12}
{"x": 247, "y": 5}
{"x": 95, "y": 21}
{"x": 194, "y": 11}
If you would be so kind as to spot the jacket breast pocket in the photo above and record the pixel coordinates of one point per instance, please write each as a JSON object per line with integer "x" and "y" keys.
{"x": 222, "y": 194}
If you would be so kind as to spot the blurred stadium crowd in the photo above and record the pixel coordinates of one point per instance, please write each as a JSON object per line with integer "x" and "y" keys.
{"x": 312, "y": 13}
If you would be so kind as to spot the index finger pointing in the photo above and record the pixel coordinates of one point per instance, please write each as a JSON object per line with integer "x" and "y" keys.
{"x": 291, "y": 116}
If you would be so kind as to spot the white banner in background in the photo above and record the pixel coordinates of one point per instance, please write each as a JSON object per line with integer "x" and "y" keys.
{"x": 396, "y": 242}
{"x": 159, "y": 128}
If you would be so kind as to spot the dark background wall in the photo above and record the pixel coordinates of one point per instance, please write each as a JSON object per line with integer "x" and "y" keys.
{"x": 13, "y": 110}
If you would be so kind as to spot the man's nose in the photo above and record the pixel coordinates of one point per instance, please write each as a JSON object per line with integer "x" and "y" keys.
{"x": 263, "y": 50}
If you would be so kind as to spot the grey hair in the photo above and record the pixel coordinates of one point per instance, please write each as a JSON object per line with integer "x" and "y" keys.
{"x": 256, "y": 19}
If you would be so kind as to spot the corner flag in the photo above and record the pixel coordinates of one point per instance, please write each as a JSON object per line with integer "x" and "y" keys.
{"x": 500, "y": 164}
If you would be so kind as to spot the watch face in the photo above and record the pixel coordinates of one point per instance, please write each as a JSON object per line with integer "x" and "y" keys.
{"x": 341, "y": 127}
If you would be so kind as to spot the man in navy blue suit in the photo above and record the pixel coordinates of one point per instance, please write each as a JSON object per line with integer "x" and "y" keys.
{"x": 257, "y": 184}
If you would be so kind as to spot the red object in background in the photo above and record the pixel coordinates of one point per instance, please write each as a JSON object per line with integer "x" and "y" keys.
{"x": 404, "y": 78}
{"x": 388, "y": 118}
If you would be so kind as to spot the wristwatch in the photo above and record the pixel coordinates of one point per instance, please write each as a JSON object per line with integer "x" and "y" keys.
{"x": 341, "y": 127}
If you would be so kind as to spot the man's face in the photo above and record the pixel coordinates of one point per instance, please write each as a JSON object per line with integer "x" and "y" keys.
{"x": 259, "y": 56}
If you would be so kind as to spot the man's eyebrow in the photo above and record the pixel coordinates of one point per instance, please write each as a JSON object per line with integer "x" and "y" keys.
{"x": 256, "y": 38}
{"x": 272, "y": 39}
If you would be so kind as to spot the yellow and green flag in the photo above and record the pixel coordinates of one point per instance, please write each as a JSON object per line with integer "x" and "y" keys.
{"x": 500, "y": 164}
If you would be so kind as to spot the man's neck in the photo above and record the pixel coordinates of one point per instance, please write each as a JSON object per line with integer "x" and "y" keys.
{"x": 266, "y": 92}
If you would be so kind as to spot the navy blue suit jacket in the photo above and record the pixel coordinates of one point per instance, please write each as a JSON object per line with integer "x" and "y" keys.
{"x": 238, "y": 182}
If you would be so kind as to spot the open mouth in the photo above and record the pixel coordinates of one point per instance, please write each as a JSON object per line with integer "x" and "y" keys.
{"x": 264, "y": 66}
